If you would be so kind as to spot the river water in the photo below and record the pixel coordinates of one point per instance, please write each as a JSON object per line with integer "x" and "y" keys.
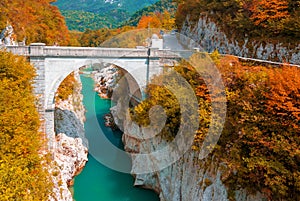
{"x": 97, "y": 182}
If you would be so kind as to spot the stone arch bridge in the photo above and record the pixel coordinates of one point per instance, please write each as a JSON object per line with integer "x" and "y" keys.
{"x": 54, "y": 63}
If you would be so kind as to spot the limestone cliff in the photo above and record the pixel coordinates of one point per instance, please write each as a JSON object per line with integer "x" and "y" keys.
{"x": 70, "y": 157}
{"x": 106, "y": 79}
{"x": 210, "y": 37}
{"x": 188, "y": 179}
{"x": 70, "y": 152}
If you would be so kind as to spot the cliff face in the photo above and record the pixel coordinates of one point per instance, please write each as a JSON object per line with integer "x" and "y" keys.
{"x": 70, "y": 153}
{"x": 188, "y": 179}
{"x": 70, "y": 157}
{"x": 210, "y": 37}
{"x": 106, "y": 79}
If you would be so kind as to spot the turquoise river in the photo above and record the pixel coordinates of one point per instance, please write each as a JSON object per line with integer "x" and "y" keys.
{"x": 97, "y": 182}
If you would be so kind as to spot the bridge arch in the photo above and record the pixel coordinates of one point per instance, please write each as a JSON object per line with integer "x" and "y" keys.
{"x": 55, "y": 78}
{"x": 57, "y": 69}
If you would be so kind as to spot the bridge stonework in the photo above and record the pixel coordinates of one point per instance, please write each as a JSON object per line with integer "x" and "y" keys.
{"x": 53, "y": 64}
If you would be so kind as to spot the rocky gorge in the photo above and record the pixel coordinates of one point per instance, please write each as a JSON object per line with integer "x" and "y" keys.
{"x": 189, "y": 178}
{"x": 71, "y": 146}
{"x": 106, "y": 80}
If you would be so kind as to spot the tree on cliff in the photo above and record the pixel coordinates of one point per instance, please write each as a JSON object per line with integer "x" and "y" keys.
{"x": 23, "y": 176}
{"x": 260, "y": 142}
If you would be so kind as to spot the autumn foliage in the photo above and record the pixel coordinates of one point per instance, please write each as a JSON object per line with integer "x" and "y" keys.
{"x": 267, "y": 13}
{"x": 36, "y": 21}
{"x": 263, "y": 19}
{"x": 261, "y": 136}
{"x": 23, "y": 176}
{"x": 157, "y": 20}
{"x": 260, "y": 141}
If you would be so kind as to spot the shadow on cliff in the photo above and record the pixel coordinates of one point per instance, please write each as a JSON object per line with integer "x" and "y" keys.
{"x": 66, "y": 121}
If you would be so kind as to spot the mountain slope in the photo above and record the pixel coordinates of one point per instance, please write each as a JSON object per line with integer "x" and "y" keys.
{"x": 81, "y": 20}
{"x": 103, "y": 6}
{"x": 96, "y": 14}
{"x": 159, "y": 6}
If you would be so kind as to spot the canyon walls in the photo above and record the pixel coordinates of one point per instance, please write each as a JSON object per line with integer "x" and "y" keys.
{"x": 188, "y": 179}
{"x": 71, "y": 146}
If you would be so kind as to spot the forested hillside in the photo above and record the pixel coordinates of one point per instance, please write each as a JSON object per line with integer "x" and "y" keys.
{"x": 37, "y": 21}
{"x": 23, "y": 176}
{"x": 96, "y": 14}
{"x": 158, "y": 7}
{"x": 136, "y": 35}
{"x": 103, "y": 6}
{"x": 82, "y": 20}
{"x": 255, "y": 19}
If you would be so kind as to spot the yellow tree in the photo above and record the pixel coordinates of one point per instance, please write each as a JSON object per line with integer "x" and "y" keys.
{"x": 167, "y": 21}
{"x": 22, "y": 169}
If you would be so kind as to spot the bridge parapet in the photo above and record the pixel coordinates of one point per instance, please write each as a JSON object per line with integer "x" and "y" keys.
{"x": 18, "y": 50}
{"x": 40, "y": 50}
{"x": 36, "y": 49}
{"x": 51, "y": 51}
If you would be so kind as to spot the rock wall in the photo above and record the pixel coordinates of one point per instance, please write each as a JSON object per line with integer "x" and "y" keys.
{"x": 70, "y": 157}
{"x": 106, "y": 79}
{"x": 210, "y": 37}
{"x": 71, "y": 148}
{"x": 188, "y": 179}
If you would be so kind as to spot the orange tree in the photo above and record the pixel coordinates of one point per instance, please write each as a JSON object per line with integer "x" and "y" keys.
{"x": 269, "y": 13}
{"x": 37, "y": 21}
{"x": 66, "y": 88}
{"x": 157, "y": 20}
{"x": 261, "y": 136}
{"x": 149, "y": 21}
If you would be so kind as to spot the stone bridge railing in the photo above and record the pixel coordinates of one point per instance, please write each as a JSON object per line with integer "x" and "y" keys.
{"x": 40, "y": 50}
